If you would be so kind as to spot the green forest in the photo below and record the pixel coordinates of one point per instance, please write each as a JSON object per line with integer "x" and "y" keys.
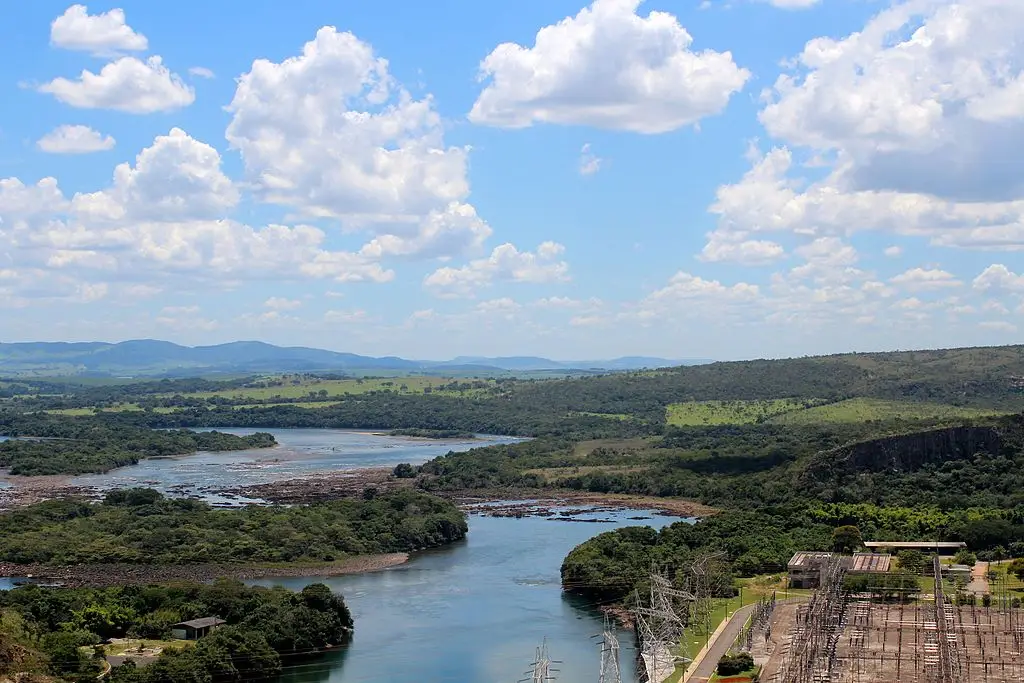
{"x": 140, "y": 526}
{"x": 899, "y": 446}
{"x": 49, "y": 444}
{"x": 67, "y": 632}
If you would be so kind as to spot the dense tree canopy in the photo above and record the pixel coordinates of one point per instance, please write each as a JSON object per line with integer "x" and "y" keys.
{"x": 143, "y": 527}
{"x": 53, "y": 444}
{"x": 51, "y": 625}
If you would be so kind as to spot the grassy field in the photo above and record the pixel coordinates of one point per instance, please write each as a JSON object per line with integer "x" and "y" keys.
{"x": 698, "y": 413}
{"x": 864, "y": 409}
{"x": 609, "y": 416}
{"x": 296, "y": 387}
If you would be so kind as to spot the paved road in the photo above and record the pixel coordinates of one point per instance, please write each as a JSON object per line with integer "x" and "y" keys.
{"x": 979, "y": 579}
{"x": 706, "y": 668}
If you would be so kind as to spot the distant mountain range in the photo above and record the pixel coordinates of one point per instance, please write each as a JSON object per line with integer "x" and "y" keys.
{"x": 149, "y": 357}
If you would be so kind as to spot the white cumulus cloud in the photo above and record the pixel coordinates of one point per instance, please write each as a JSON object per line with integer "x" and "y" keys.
{"x": 176, "y": 178}
{"x": 70, "y": 139}
{"x": 127, "y": 84}
{"x": 307, "y": 144}
{"x": 100, "y": 34}
{"x": 607, "y": 67}
{"x": 505, "y": 263}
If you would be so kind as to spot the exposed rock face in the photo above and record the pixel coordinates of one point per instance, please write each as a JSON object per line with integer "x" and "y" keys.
{"x": 905, "y": 453}
{"x": 911, "y": 452}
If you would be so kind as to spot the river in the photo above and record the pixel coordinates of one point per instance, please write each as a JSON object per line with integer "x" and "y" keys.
{"x": 474, "y": 612}
{"x": 300, "y": 452}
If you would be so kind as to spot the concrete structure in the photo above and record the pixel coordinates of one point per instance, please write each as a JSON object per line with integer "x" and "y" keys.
{"x": 938, "y": 547}
{"x": 805, "y": 569}
{"x": 953, "y": 571}
{"x": 196, "y": 628}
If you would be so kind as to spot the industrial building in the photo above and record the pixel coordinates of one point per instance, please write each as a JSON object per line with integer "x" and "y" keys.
{"x": 805, "y": 567}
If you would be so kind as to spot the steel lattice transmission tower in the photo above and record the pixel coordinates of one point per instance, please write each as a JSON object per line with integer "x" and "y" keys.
{"x": 540, "y": 670}
{"x": 609, "y": 655}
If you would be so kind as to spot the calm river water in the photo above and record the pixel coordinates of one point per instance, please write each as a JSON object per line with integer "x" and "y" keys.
{"x": 474, "y": 612}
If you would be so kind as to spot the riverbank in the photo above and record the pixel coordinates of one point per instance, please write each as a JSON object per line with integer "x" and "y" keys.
{"x": 100, "y": 575}
{"x": 346, "y": 484}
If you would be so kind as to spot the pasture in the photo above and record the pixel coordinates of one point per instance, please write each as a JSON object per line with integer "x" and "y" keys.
{"x": 298, "y": 386}
{"x": 708, "y": 413}
{"x": 878, "y": 410}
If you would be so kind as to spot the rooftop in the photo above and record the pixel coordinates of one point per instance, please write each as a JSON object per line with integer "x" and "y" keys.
{"x": 871, "y": 563}
{"x": 205, "y": 622}
{"x": 920, "y": 545}
{"x": 808, "y": 560}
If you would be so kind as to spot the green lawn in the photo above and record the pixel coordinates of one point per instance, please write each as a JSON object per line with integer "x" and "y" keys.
{"x": 864, "y": 409}
{"x": 697, "y": 413}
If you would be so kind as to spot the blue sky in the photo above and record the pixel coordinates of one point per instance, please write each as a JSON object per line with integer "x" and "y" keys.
{"x": 739, "y": 179}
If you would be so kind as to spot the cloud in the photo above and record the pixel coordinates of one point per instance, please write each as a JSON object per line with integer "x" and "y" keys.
{"x": 126, "y": 84}
{"x": 767, "y": 200}
{"x": 179, "y": 310}
{"x": 349, "y": 316}
{"x": 920, "y": 279}
{"x": 905, "y": 127}
{"x": 176, "y": 178}
{"x": 201, "y": 72}
{"x": 306, "y": 143}
{"x": 999, "y": 277}
{"x": 893, "y": 251}
{"x": 505, "y": 263}
{"x": 607, "y": 67}
{"x": 100, "y": 34}
{"x": 685, "y": 286}
{"x": 278, "y": 303}
{"x": 163, "y": 221}
{"x": 75, "y": 140}
{"x": 590, "y": 163}
{"x": 503, "y": 306}
{"x": 734, "y": 249}
{"x": 454, "y": 230}
{"x": 924, "y": 82}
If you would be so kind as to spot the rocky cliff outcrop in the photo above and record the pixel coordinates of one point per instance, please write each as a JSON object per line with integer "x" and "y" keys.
{"x": 904, "y": 452}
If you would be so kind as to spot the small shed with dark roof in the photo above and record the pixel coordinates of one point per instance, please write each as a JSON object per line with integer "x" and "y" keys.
{"x": 195, "y": 628}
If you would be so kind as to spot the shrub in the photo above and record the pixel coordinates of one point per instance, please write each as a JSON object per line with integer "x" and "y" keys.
{"x": 730, "y": 665}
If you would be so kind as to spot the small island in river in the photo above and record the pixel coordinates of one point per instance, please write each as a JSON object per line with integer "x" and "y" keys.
{"x": 432, "y": 433}
{"x": 43, "y": 444}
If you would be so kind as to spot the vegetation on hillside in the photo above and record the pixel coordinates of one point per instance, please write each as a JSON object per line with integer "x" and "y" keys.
{"x": 47, "y": 444}
{"x": 140, "y": 526}
{"x": 60, "y": 631}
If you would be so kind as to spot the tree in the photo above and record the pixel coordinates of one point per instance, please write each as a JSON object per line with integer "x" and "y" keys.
{"x": 730, "y": 665}
{"x": 911, "y": 561}
{"x": 965, "y": 557}
{"x": 846, "y": 539}
{"x": 404, "y": 471}
{"x": 1017, "y": 568}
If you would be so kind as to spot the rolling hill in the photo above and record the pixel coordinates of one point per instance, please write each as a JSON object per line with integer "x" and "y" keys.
{"x": 154, "y": 358}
